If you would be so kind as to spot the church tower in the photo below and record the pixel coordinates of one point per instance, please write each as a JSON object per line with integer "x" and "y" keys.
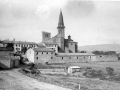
{"x": 61, "y": 32}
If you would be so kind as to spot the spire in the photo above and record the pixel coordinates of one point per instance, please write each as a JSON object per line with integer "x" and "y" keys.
{"x": 61, "y": 22}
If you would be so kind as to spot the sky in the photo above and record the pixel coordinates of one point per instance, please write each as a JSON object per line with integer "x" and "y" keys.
{"x": 89, "y": 22}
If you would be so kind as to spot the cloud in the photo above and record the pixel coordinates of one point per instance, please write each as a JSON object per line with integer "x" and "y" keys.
{"x": 79, "y": 8}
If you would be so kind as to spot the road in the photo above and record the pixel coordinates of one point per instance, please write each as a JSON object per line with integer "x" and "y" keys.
{"x": 14, "y": 80}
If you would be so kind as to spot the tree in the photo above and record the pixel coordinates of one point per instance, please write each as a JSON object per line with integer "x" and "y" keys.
{"x": 10, "y": 45}
{"x": 24, "y": 49}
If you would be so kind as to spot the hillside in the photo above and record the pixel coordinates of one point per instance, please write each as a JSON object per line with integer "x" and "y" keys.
{"x": 101, "y": 47}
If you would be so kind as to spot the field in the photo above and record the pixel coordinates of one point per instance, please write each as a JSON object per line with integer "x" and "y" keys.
{"x": 16, "y": 80}
{"x": 97, "y": 65}
{"x": 73, "y": 81}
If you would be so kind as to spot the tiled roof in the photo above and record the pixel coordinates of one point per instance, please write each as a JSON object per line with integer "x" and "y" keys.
{"x": 18, "y": 42}
{"x": 43, "y": 50}
{"x": 75, "y": 54}
{"x": 6, "y": 49}
{"x": 9, "y": 57}
{"x": 72, "y": 42}
{"x": 41, "y": 45}
{"x": 51, "y": 43}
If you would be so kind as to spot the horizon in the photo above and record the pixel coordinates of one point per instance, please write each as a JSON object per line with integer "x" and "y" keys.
{"x": 88, "y": 22}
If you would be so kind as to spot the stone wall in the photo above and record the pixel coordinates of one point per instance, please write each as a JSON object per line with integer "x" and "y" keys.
{"x": 43, "y": 57}
{"x": 5, "y": 63}
{"x": 72, "y": 59}
{"x": 77, "y": 59}
{"x": 106, "y": 58}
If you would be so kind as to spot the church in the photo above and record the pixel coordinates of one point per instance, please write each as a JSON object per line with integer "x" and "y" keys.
{"x": 58, "y": 42}
{"x": 58, "y": 49}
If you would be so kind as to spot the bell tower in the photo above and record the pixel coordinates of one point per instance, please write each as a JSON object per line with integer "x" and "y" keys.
{"x": 61, "y": 25}
{"x": 61, "y": 32}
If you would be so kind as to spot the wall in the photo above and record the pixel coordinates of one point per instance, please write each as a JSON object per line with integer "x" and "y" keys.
{"x": 5, "y": 64}
{"x": 72, "y": 59}
{"x": 104, "y": 58}
{"x": 71, "y": 47}
{"x": 60, "y": 42}
{"x": 30, "y": 55}
{"x": 18, "y": 47}
{"x": 46, "y": 36}
{"x": 5, "y": 53}
{"x": 43, "y": 57}
{"x": 14, "y": 63}
{"x": 53, "y": 46}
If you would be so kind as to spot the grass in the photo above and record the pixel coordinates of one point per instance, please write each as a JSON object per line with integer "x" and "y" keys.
{"x": 86, "y": 84}
{"x": 97, "y": 65}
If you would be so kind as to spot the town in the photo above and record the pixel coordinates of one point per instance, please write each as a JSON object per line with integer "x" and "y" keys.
{"x": 56, "y": 63}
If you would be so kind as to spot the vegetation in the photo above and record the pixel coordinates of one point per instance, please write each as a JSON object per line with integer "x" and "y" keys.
{"x": 104, "y": 52}
{"x": 24, "y": 49}
{"x": 110, "y": 71}
{"x": 82, "y": 51}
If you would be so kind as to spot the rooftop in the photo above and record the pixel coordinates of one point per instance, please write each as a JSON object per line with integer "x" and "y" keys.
{"x": 43, "y": 50}
{"x": 18, "y": 42}
{"x": 9, "y": 57}
{"x": 75, "y": 54}
{"x": 6, "y": 49}
{"x": 50, "y": 43}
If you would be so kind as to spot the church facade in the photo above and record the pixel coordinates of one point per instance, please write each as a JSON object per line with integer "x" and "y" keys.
{"x": 61, "y": 45}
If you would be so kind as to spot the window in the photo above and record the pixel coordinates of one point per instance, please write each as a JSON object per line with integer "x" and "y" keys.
{"x": 77, "y": 57}
{"x": 37, "y": 58}
{"x": 46, "y": 35}
{"x": 46, "y": 52}
{"x": 69, "y": 57}
{"x": 42, "y": 52}
{"x": 36, "y": 53}
{"x": 51, "y": 57}
{"x": 71, "y": 43}
{"x": 62, "y": 57}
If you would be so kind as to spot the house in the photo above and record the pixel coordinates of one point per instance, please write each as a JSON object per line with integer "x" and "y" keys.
{"x": 7, "y": 62}
{"x": 8, "y": 59}
{"x": 18, "y": 45}
{"x": 40, "y": 55}
{"x": 72, "y": 69}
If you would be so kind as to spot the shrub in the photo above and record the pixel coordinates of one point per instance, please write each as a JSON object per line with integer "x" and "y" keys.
{"x": 95, "y": 74}
{"x": 35, "y": 71}
{"x": 110, "y": 71}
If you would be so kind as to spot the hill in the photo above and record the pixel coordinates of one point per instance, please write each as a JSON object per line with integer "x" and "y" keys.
{"x": 101, "y": 47}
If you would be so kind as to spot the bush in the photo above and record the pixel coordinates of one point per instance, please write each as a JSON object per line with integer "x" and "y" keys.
{"x": 95, "y": 74}
{"x": 35, "y": 71}
{"x": 110, "y": 71}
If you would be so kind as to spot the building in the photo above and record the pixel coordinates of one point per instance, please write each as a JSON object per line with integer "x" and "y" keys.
{"x": 40, "y": 55}
{"x": 72, "y": 58}
{"x": 7, "y": 58}
{"x": 18, "y": 45}
{"x": 62, "y": 45}
{"x": 57, "y": 49}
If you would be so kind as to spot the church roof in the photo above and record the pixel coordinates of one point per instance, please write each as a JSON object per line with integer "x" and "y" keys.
{"x": 61, "y": 22}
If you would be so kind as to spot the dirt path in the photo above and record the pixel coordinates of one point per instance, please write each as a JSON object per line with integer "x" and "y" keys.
{"x": 13, "y": 80}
